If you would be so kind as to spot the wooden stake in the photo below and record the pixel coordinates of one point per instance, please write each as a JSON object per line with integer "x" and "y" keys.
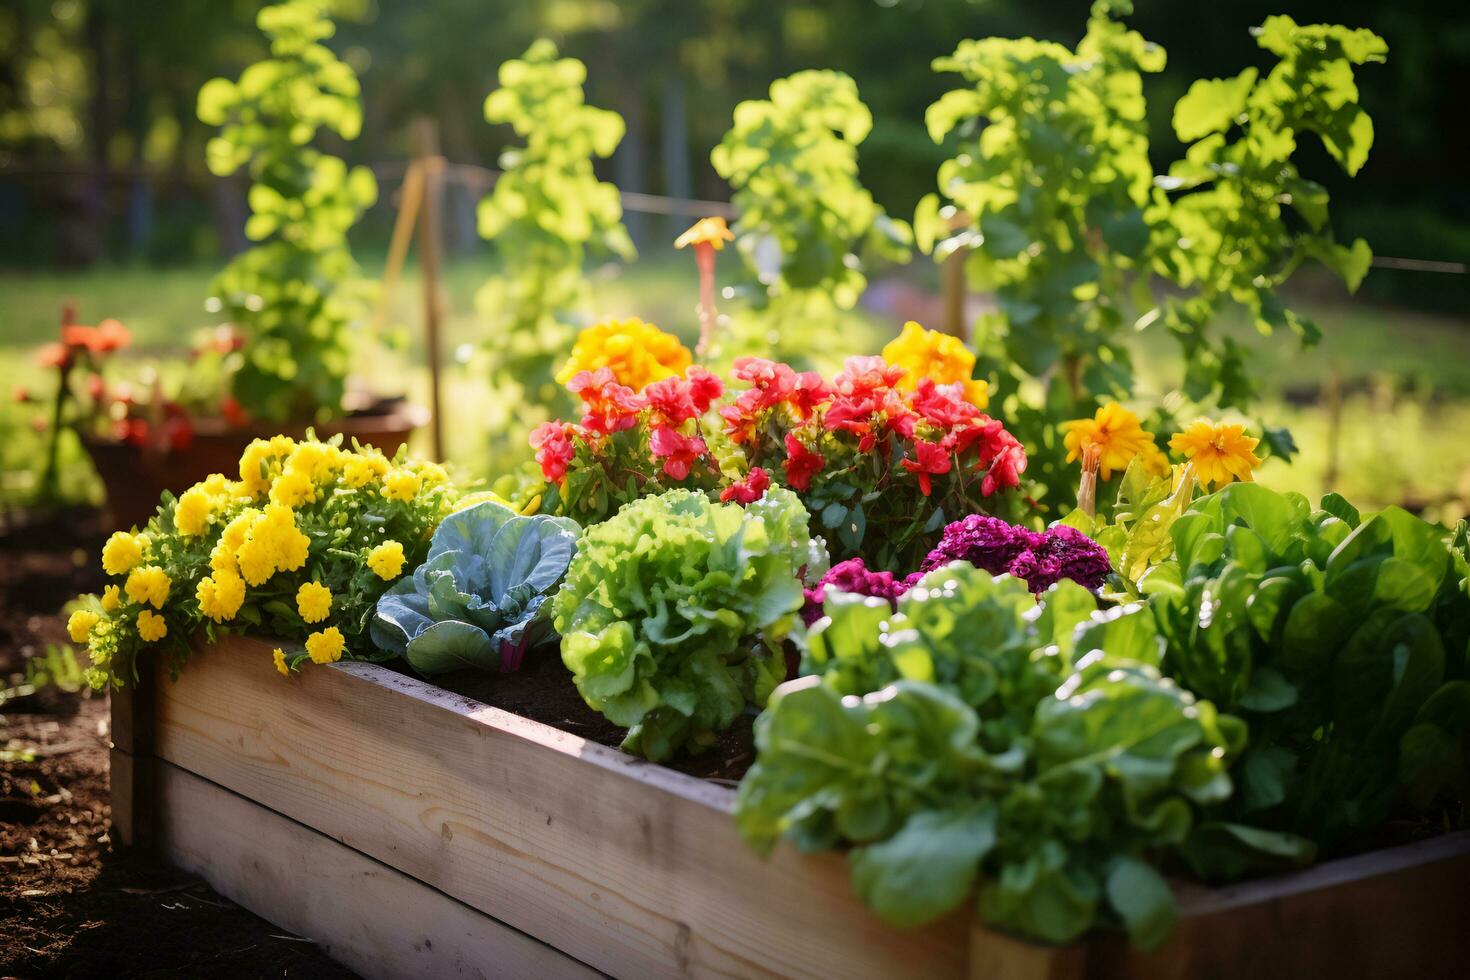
{"x": 431, "y": 167}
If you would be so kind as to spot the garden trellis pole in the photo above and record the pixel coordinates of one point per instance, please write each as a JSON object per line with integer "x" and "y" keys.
{"x": 431, "y": 165}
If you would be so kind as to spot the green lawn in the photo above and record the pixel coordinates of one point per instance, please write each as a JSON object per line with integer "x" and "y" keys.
{"x": 1401, "y": 438}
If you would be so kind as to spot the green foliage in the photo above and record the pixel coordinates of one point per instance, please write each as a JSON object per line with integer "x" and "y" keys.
{"x": 1005, "y": 746}
{"x": 296, "y": 295}
{"x": 1341, "y": 640}
{"x": 1051, "y": 192}
{"x": 546, "y": 214}
{"x": 1225, "y": 235}
{"x": 480, "y": 598}
{"x": 674, "y": 613}
{"x": 806, "y": 223}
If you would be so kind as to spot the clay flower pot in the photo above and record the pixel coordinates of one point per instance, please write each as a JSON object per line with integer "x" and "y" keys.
{"x": 135, "y": 476}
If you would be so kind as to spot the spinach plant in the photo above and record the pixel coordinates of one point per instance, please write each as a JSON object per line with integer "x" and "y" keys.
{"x": 975, "y": 737}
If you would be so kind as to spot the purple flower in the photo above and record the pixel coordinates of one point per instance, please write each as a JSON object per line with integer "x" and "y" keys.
{"x": 852, "y": 575}
{"x": 1041, "y": 560}
{"x": 983, "y": 541}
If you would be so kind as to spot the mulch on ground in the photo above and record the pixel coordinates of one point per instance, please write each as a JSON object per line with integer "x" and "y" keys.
{"x": 73, "y": 904}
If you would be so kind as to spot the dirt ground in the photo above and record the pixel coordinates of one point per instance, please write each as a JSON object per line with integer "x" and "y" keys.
{"x": 72, "y": 904}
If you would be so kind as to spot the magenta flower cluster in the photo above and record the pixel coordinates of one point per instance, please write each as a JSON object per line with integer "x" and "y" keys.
{"x": 1042, "y": 559}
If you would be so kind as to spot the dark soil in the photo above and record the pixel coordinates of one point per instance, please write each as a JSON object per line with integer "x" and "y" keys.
{"x": 72, "y": 904}
{"x": 543, "y": 691}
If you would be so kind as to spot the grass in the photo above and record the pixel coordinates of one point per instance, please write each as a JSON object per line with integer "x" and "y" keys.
{"x": 1401, "y": 438}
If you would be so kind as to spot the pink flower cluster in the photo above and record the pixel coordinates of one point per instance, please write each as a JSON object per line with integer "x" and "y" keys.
{"x": 665, "y": 408}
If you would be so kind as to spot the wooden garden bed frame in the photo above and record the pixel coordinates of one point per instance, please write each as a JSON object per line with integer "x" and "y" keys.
{"x": 413, "y": 832}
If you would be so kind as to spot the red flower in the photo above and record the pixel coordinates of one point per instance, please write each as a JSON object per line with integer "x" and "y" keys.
{"x": 56, "y": 356}
{"x": 773, "y": 380}
{"x": 134, "y": 432}
{"x": 671, "y": 402}
{"x": 864, "y": 375}
{"x": 809, "y": 394}
{"x": 554, "y": 448}
{"x": 21, "y": 395}
{"x": 179, "y": 432}
{"x": 110, "y": 335}
{"x": 704, "y": 387}
{"x": 78, "y": 337}
{"x": 944, "y": 406}
{"x": 1006, "y": 467}
{"x": 801, "y": 463}
{"x": 610, "y": 407}
{"x": 678, "y": 451}
{"x": 933, "y": 459}
{"x": 233, "y": 413}
{"x": 748, "y": 490}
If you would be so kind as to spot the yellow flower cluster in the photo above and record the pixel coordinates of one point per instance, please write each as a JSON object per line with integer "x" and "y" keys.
{"x": 151, "y": 627}
{"x": 79, "y": 625}
{"x": 148, "y": 584}
{"x": 313, "y": 602}
{"x": 271, "y": 543}
{"x": 221, "y": 595}
{"x": 401, "y": 484}
{"x": 638, "y": 353}
{"x": 940, "y": 357}
{"x": 386, "y": 560}
{"x": 122, "y": 552}
{"x": 325, "y": 646}
{"x": 1219, "y": 451}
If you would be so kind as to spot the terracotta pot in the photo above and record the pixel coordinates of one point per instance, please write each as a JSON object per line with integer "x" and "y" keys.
{"x": 135, "y": 477}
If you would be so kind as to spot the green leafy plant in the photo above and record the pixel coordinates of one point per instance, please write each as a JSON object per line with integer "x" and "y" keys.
{"x": 1052, "y": 196}
{"x": 1038, "y": 752}
{"x": 296, "y": 295}
{"x": 806, "y": 223}
{"x": 480, "y": 598}
{"x": 546, "y": 214}
{"x": 674, "y": 613}
{"x": 1340, "y": 639}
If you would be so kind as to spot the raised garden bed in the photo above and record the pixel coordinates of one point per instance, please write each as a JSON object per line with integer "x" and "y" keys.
{"x": 416, "y": 832}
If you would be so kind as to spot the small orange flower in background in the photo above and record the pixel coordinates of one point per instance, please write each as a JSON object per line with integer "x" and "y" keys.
{"x": 1117, "y": 435}
{"x": 940, "y": 357}
{"x": 707, "y": 231}
{"x": 637, "y": 353}
{"x": 1221, "y": 452}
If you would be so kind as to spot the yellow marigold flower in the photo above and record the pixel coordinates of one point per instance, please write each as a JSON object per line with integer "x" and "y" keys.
{"x": 221, "y": 595}
{"x": 360, "y": 469}
{"x": 151, "y": 627}
{"x": 313, "y": 602}
{"x": 79, "y": 626}
{"x": 1221, "y": 452}
{"x": 325, "y": 646}
{"x": 638, "y": 353}
{"x": 1154, "y": 461}
{"x": 279, "y": 656}
{"x": 707, "y": 231}
{"x": 111, "y": 598}
{"x": 401, "y": 485}
{"x": 942, "y": 358}
{"x": 433, "y": 474}
{"x": 191, "y": 516}
{"x": 122, "y": 552}
{"x": 148, "y": 583}
{"x": 217, "y": 485}
{"x": 386, "y": 560}
{"x": 1114, "y": 431}
{"x": 312, "y": 460}
{"x": 292, "y": 489}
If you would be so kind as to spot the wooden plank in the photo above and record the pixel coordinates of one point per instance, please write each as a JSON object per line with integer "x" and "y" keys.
{"x": 1392, "y": 913}
{"x": 377, "y": 921}
{"x": 130, "y": 774}
{"x": 630, "y": 867}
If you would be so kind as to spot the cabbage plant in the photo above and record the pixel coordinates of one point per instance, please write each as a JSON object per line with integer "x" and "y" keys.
{"x": 479, "y": 600}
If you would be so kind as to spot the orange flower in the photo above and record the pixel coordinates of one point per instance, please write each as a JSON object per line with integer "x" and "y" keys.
{"x": 1114, "y": 431}
{"x": 706, "y": 231}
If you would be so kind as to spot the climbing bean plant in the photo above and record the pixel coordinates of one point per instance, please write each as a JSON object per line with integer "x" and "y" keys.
{"x": 296, "y": 294}
{"x": 1051, "y": 194}
{"x": 807, "y": 225}
{"x": 547, "y": 212}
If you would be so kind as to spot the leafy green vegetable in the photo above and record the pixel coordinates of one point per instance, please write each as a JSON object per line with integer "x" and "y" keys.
{"x": 674, "y": 613}
{"x": 1034, "y": 749}
{"x": 1341, "y": 640}
{"x": 479, "y": 600}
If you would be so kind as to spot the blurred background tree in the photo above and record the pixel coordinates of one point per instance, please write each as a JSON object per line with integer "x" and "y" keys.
{"x": 100, "y": 154}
